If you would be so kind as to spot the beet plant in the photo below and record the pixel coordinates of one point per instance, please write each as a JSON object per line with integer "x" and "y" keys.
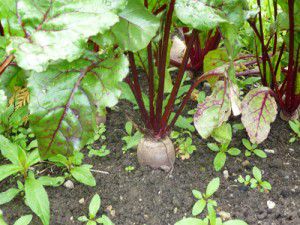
{"x": 279, "y": 65}
{"x": 157, "y": 109}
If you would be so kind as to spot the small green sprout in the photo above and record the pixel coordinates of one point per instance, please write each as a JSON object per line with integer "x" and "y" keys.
{"x": 92, "y": 219}
{"x": 129, "y": 168}
{"x": 252, "y": 148}
{"x": 256, "y": 181}
{"x": 24, "y": 220}
{"x": 184, "y": 144}
{"x": 222, "y": 152}
{"x": 132, "y": 139}
{"x": 102, "y": 152}
{"x": 295, "y": 126}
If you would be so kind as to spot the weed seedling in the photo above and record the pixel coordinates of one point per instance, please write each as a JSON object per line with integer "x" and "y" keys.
{"x": 129, "y": 168}
{"x": 222, "y": 152}
{"x": 252, "y": 148}
{"x": 24, "y": 220}
{"x": 256, "y": 181}
{"x": 204, "y": 201}
{"x": 295, "y": 126}
{"x": 184, "y": 144}
{"x": 92, "y": 219}
{"x": 132, "y": 138}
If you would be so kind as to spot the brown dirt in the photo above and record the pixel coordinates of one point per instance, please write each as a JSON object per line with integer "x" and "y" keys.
{"x": 153, "y": 197}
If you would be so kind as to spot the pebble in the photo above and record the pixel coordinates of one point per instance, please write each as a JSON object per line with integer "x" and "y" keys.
{"x": 245, "y": 163}
{"x": 81, "y": 201}
{"x": 270, "y": 151}
{"x": 225, "y": 215}
{"x": 69, "y": 184}
{"x": 291, "y": 149}
{"x": 175, "y": 210}
{"x": 225, "y": 174}
{"x": 271, "y": 204}
{"x": 72, "y": 218}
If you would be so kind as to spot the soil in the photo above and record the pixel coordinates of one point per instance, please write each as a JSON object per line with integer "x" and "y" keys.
{"x": 154, "y": 197}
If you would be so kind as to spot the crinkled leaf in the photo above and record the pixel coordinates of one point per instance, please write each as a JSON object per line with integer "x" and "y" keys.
{"x": 3, "y": 101}
{"x": 8, "y": 195}
{"x": 83, "y": 175}
{"x": 11, "y": 151}
{"x": 198, "y": 14}
{"x": 257, "y": 173}
{"x": 213, "y": 111}
{"x": 58, "y": 29}
{"x": 136, "y": 28}
{"x": 37, "y": 199}
{"x": 259, "y": 110}
{"x": 65, "y": 100}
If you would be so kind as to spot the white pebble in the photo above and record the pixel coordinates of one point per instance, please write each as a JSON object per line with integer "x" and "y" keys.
{"x": 225, "y": 174}
{"x": 69, "y": 184}
{"x": 81, "y": 201}
{"x": 225, "y": 215}
{"x": 270, "y": 151}
{"x": 271, "y": 204}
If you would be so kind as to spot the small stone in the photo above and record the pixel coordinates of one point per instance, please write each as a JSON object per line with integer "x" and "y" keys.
{"x": 291, "y": 150}
{"x": 225, "y": 174}
{"x": 110, "y": 210}
{"x": 271, "y": 204}
{"x": 270, "y": 151}
{"x": 140, "y": 199}
{"x": 72, "y": 218}
{"x": 175, "y": 210}
{"x": 81, "y": 201}
{"x": 121, "y": 198}
{"x": 245, "y": 163}
{"x": 225, "y": 215}
{"x": 69, "y": 184}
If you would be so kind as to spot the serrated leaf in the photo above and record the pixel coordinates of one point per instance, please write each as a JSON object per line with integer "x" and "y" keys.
{"x": 59, "y": 29}
{"x": 8, "y": 195}
{"x": 37, "y": 199}
{"x": 219, "y": 161}
{"x": 63, "y": 112}
{"x": 83, "y": 175}
{"x": 94, "y": 206}
{"x": 24, "y": 220}
{"x": 198, "y": 207}
{"x": 213, "y": 111}
{"x": 136, "y": 28}
{"x": 212, "y": 187}
{"x": 259, "y": 110}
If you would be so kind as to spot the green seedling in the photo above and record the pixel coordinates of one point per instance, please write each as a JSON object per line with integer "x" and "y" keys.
{"x": 129, "y": 168}
{"x": 222, "y": 152}
{"x": 102, "y": 152}
{"x": 75, "y": 169}
{"x": 295, "y": 126}
{"x": 133, "y": 137}
{"x": 184, "y": 144}
{"x": 99, "y": 136}
{"x": 92, "y": 218}
{"x": 256, "y": 181}
{"x": 204, "y": 201}
{"x": 252, "y": 148}
{"x": 24, "y": 220}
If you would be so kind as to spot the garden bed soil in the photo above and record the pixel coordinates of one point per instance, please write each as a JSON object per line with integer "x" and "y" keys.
{"x": 153, "y": 197}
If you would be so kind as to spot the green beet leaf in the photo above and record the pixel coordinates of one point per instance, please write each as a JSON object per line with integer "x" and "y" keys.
{"x": 83, "y": 175}
{"x": 54, "y": 30}
{"x": 136, "y": 28}
{"x": 66, "y": 98}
